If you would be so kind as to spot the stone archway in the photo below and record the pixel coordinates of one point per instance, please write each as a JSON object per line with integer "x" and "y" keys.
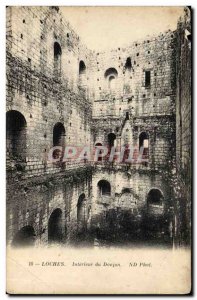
{"x": 55, "y": 233}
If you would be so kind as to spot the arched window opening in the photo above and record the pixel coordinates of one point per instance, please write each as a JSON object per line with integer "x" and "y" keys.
{"x": 128, "y": 65}
{"x": 155, "y": 197}
{"x": 57, "y": 51}
{"x": 112, "y": 82}
{"x": 111, "y": 140}
{"x": 57, "y": 58}
{"x": 104, "y": 188}
{"x": 144, "y": 142}
{"x": 82, "y": 74}
{"x": 81, "y": 211}
{"x": 82, "y": 67}
{"x": 15, "y": 135}
{"x": 25, "y": 237}
{"x": 58, "y": 134}
{"x": 55, "y": 234}
{"x": 111, "y": 71}
{"x": 96, "y": 146}
{"x": 126, "y": 190}
{"x": 58, "y": 139}
{"x": 111, "y": 75}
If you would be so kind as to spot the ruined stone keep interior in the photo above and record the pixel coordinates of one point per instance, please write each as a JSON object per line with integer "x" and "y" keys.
{"x": 61, "y": 93}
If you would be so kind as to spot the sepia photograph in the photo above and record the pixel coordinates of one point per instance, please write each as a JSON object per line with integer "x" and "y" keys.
{"x": 98, "y": 149}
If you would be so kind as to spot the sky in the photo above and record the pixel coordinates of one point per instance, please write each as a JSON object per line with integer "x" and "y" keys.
{"x": 102, "y": 28}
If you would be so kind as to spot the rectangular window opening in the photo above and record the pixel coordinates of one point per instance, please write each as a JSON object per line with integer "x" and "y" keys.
{"x": 147, "y": 79}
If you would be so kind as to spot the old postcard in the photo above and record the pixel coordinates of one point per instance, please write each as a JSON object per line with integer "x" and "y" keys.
{"x": 98, "y": 150}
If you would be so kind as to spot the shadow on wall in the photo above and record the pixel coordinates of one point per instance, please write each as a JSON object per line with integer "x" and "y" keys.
{"x": 25, "y": 237}
{"x": 150, "y": 224}
{"x": 123, "y": 226}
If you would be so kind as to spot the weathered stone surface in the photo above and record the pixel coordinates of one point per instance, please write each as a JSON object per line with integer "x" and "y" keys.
{"x": 138, "y": 93}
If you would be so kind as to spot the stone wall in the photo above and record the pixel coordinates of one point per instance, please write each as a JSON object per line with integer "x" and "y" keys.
{"x": 183, "y": 186}
{"x": 43, "y": 96}
{"x": 32, "y": 202}
{"x": 35, "y": 90}
{"x": 147, "y": 106}
{"x": 61, "y": 93}
{"x": 129, "y": 194}
{"x": 130, "y": 91}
